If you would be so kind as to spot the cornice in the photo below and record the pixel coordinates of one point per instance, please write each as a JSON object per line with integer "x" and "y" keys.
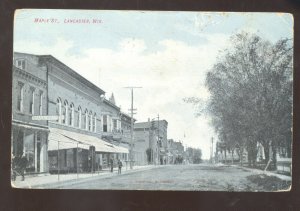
{"x": 30, "y": 77}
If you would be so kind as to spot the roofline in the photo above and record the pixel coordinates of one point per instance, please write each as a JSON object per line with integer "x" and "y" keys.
{"x": 124, "y": 114}
{"x": 110, "y": 103}
{"x": 161, "y": 120}
{"x": 71, "y": 71}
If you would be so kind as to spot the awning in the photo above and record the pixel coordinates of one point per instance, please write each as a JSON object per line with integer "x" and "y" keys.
{"x": 59, "y": 141}
{"x": 70, "y": 140}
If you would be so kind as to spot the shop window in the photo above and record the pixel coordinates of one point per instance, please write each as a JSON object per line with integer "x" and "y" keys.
{"x": 31, "y": 100}
{"x": 29, "y": 146}
{"x": 20, "y": 96}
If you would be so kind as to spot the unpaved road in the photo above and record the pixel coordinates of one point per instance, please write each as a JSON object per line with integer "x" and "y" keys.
{"x": 202, "y": 177}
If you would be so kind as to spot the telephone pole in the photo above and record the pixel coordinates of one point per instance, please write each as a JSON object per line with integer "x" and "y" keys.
{"x": 131, "y": 128}
{"x": 212, "y": 149}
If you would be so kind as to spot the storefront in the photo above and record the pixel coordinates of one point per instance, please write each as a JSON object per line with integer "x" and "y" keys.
{"x": 74, "y": 152}
{"x": 31, "y": 141}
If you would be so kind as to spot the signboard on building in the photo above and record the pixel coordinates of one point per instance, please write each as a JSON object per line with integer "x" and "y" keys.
{"x": 45, "y": 118}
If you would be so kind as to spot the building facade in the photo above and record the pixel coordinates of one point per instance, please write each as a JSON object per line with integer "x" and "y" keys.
{"x": 150, "y": 142}
{"x": 176, "y": 149}
{"x": 77, "y": 117}
{"x": 29, "y": 98}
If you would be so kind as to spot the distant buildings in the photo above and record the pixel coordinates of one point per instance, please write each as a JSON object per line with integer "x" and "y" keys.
{"x": 176, "y": 149}
{"x": 151, "y": 145}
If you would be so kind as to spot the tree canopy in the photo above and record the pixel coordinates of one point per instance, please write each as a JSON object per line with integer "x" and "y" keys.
{"x": 251, "y": 93}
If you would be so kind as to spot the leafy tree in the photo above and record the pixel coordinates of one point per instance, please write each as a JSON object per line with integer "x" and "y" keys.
{"x": 251, "y": 95}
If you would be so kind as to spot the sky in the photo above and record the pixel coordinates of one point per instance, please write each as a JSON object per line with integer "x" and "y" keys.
{"x": 166, "y": 53}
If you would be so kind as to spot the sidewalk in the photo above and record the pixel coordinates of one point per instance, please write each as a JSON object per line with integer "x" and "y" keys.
{"x": 268, "y": 173}
{"x": 55, "y": 180}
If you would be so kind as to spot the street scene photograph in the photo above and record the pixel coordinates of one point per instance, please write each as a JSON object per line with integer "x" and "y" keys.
{"x": 152, "y": 100}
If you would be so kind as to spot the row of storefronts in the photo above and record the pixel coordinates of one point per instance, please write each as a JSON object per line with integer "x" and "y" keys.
{"x": 61, "y": 122}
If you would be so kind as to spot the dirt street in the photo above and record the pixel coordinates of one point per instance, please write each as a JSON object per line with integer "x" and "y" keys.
{"x": 201, "y": 177}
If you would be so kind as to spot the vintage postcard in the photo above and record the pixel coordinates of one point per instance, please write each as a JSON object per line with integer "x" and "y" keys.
{"x": 152, "y": 100}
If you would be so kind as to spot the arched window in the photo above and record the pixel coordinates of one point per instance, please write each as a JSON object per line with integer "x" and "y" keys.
{"x": 58, "y": 109}
{"x": 71, "y": 115}
{"x": 86, "y": 119}
{"x": 95, "y": 123}
{"x": 65, "y": 113}
{"x": 90, "y": 121}
{"x": 79, "y": 117}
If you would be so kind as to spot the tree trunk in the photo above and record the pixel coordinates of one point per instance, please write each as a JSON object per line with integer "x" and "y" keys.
{"x": 266, "y": 150}
{"x": 241, "y": 156}
{"x": 274, "y": 153}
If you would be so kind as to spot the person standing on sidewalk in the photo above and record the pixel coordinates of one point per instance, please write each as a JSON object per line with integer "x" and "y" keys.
{"x": 111, "y": 165}
{"x": 23, "y": 165}
{"x": 119, "y": 166}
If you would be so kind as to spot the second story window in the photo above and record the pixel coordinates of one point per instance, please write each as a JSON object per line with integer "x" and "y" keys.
{"x": 58, "y": 109}
{"x": 31, "y": 100}
{"x": 20, "y": 94}
{"x": 104, "y": 123}
{"x": 79, "y": 117}
{"x": 20, "y": 63}
{"x": 115, "y": 124}
{"x": 86, "y": 119}
{"x": 65, "y": 113}
{"x": 95, "y": 122}
{"x": 41, "y": 103}
{"x": 90, "y": 121}
{"x": 71, "y": 115}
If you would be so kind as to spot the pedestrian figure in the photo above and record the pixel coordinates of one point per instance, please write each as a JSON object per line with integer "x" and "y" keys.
{"x": 119, "y": 166}
{"x": 19, "y": 165}
{"x": 23, "y": 165}
{"x": 111, "y": 165}
{"x": 14, "y": 168}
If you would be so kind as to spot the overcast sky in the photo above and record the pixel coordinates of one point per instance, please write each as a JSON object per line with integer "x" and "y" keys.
{"x": 167, "y": 53}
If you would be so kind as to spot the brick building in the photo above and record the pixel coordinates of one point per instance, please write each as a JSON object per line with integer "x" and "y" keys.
{"x": 29, "y": 98}
{"x": 151, "y": 135}
{"x": 81, "y": 117}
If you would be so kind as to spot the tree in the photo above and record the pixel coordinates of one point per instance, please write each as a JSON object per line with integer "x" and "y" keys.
{"x": 251, "y": 95}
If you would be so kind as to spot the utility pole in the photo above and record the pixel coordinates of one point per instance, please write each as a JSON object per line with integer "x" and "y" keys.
{"x": 158, "y": 152}
{"x": 131, "y": 128}
{"x": 212, "y": 149}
